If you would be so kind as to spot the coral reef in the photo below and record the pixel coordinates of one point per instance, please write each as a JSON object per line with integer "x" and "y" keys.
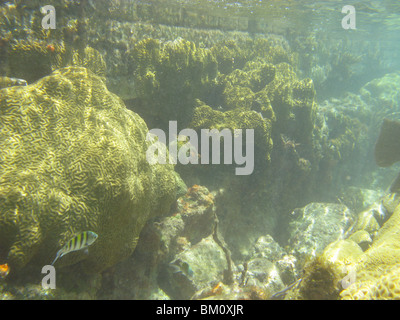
{"x": 337, "y": 67}
{"x": 34, "y": 59}
{"x": 169, "y": 77}
{"x": 374, "y": 271}
{"x": 319, "y": 281}
{"x": 74, "y": 159}
{"x": 205, "y": 117}
{"x": 377, "y": 268}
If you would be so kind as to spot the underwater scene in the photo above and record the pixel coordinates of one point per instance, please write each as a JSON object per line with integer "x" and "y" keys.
{"x": 199, "y": 149}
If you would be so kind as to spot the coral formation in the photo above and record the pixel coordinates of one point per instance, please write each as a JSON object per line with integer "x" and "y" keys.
{"x": 319, "y": 281}
{"x": 169, "y": 77}
{"x": 74, "y": 159}
{"x": 378, "y": 285}
{"x": 34, "y": 59}
{"x": 205, "y": 117}
{"x": 377, "y": 268}
{"x": 53, "y": 133}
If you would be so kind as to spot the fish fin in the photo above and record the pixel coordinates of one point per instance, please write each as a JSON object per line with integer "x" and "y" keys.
{"x": 175, "y": 268}
{"x": 54, "y": 261}
{"x": 59, "y": 255}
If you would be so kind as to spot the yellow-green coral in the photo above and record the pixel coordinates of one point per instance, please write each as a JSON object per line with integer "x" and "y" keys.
{"x": 319, "y": 281}
{"x": 206, "y": 118}
{"x": 377, "y": 269}
{"x": 383, "y": 284}
{"x": 73, "y": 158}
{"x": 170, "y": 76}
{"x": 32, "y": 60}
{"x": 92, "y": 60}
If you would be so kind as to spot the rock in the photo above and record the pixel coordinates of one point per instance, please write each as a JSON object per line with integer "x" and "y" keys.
{"x": 267, "y": 247}
{"x": 270, "y": 268}
{"x": 175, "y": 256}
{"x": 358, "y": 199}
{"x": 362, "y": 238}
{"x": 207, "y": 261}
{"x": 390, "y": 202}
{"x": 367, "y": 219}
{"x": 315, "y": 226}
{"x": 263, "y": 273}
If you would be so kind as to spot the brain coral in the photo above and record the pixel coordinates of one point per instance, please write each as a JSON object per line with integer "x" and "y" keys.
{"x": 73, "y": 158}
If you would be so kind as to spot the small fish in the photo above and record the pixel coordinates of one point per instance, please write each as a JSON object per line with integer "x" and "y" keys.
{"x": 4, "y": 271}
{"x": 183, "y": 267}
{"x": 79, "y": 242}
{"x": 10, "y": 82}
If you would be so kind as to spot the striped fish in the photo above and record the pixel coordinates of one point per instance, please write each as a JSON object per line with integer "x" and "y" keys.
{"x": 79, "y": 242}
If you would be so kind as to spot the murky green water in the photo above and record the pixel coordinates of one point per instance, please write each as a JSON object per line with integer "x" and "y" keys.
{"x": 282, "y": 124}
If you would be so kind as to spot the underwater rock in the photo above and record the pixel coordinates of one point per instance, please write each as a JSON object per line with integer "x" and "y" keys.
{"x": 173, "y": 254}
{"x": 390, "y": 202}
{"x": 267, "y": 247}
{"x": 198, "y": 265}
{"x": 263, "y": 273}
{"x": 315, "y": 226}
{"x": 74, "y": 159}
{"x": 362, "y": 238}
{"x": 194, "y": 219}
{"x": 359, "y": 199}
{"x": 373, "y": 217}
{"x": 269, "y": 269}
{"x": 383, "y": 92}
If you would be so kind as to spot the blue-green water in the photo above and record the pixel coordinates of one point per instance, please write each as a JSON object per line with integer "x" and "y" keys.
{"x": 294, "y": 197}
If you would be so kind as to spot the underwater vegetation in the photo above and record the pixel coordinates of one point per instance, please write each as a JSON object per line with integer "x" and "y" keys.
{"x": 77, "y": 102}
